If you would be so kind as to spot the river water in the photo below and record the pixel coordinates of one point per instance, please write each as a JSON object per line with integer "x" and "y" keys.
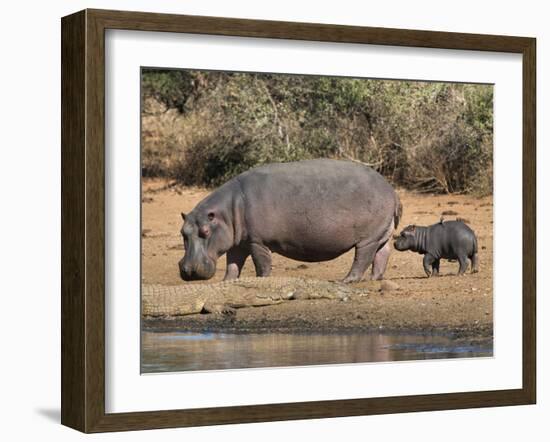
{"x": 183, "y": 351}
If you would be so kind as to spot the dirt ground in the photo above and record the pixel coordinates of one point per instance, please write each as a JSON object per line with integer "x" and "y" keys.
{"x": 447, "y": 303}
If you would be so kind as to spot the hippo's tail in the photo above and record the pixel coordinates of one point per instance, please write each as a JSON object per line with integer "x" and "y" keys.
{"x": 398, "y": 213}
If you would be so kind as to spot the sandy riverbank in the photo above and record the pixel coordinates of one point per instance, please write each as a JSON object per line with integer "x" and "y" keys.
{"x": 447, "y": 304}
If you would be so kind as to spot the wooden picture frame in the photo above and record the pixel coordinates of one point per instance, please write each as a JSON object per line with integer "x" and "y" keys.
{"x": 83, "y": 220}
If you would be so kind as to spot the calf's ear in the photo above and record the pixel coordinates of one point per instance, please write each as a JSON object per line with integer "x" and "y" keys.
{"x": 183, "y": 216}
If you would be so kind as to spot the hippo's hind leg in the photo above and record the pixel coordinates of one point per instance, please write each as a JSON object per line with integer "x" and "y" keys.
{"x": 380, "y": 261}
{"x": 475, "y": 263}
{"x": 463, "y": 260}
{"x": 364, "y": 255}
{"x": 261, "y": 256}
{"x": 236, "y": 257}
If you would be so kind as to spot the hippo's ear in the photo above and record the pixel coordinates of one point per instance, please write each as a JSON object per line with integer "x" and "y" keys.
{"x": 183, "y": 216}
{"x": 410, "y": 229}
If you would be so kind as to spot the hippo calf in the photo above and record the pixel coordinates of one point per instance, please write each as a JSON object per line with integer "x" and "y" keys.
{"x": 313, "y": 210}
{"x": 448, "y": 240}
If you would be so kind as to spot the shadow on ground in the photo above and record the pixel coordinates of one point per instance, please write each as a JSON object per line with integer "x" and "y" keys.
{"x": 51, "y": 414}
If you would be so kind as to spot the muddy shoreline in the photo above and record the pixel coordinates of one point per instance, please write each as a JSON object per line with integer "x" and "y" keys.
{"x": 473, "y": 333}
{"x": 297, "y": 305}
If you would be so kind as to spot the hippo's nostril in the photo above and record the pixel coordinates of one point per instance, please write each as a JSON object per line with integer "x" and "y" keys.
{"x": 186, "y": 273}
{"x": 185, "y": 269}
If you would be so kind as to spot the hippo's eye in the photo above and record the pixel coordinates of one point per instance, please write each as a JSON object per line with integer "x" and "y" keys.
{"x": 211, "y": 216}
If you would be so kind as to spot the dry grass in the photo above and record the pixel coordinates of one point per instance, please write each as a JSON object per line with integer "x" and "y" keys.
{"x": 428, "y": 137}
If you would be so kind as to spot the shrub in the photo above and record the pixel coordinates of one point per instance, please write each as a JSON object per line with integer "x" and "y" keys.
{"x": 202, "y": 128}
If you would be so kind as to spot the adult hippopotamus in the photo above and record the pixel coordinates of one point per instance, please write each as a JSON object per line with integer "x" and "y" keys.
{"x": 313, "y": 210}
{"x": 446, "y": 239}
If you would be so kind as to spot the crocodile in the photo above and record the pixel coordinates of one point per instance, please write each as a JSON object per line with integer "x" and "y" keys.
{"x": 161, "y": 301}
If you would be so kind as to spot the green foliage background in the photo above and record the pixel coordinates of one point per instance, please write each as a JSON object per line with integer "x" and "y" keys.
{"x": 203, "y": 128}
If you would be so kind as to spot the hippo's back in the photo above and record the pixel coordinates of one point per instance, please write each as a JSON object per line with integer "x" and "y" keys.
{"x": 451, "y": 239}
{"x": 316, "y": 207}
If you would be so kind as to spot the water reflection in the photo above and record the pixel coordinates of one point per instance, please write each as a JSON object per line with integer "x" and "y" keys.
{"x": 164, "y": 352}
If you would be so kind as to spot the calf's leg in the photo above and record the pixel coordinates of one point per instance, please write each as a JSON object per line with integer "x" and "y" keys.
{"x": 435, "y": 268}
{"x": 463, "y": 260}
{"x": 475, "y": 263}
{"x": 427, "y": 263}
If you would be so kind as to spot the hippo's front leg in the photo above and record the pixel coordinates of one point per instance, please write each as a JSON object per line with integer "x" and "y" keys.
{"x": 261, "y": 256}
{"x": 435, "y": 268}
{"x": 427, "y": 263}
{"x": 236, "y": 257}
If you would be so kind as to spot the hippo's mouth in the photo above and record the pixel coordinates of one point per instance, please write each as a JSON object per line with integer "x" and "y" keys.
{"x": 195, "y": 273}
{"x": 196, "y": 276}
{"x": 399, "y": 246}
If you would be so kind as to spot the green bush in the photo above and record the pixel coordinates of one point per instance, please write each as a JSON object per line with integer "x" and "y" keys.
{"x": 203, "y": 128}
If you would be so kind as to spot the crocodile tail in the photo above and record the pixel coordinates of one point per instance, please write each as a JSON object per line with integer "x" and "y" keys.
{"x": 398, "y": 211}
